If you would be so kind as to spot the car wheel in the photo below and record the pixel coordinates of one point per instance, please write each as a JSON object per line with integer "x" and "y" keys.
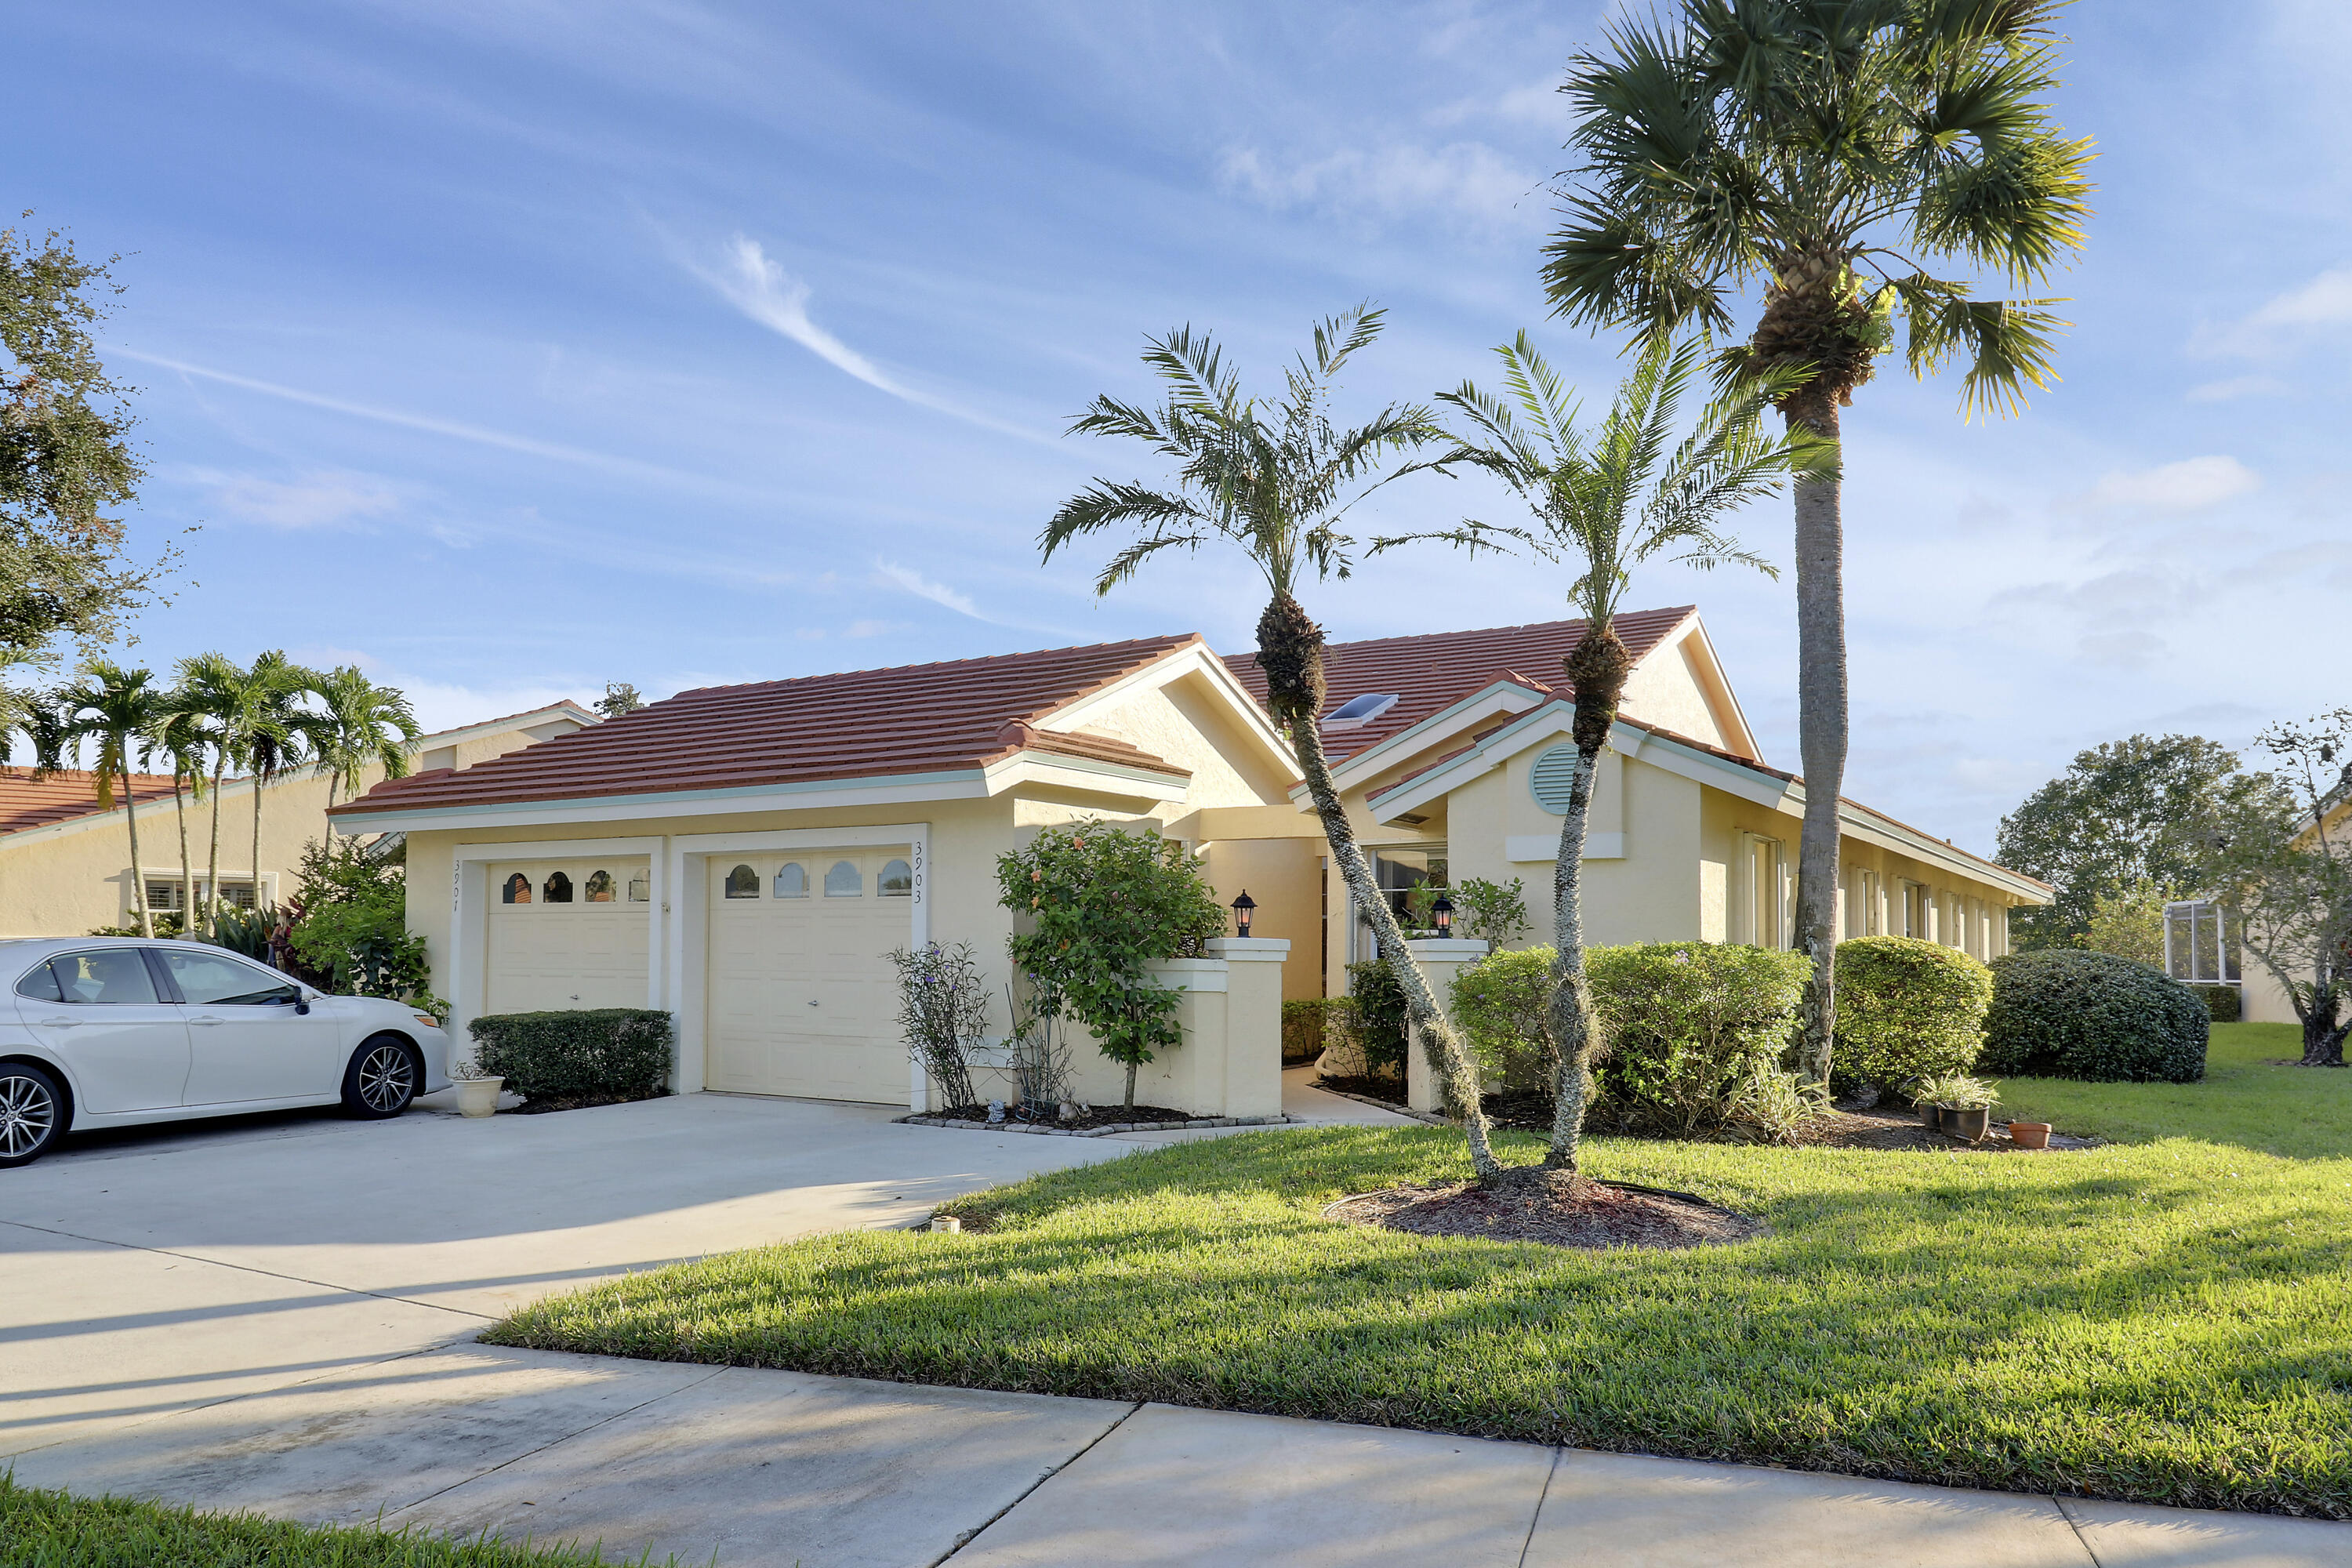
{"x": 32, "y": 1113}
{"x": 382, "y": 1078}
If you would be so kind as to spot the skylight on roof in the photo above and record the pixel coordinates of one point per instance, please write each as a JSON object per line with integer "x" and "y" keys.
{"x": 1358, "y": 712}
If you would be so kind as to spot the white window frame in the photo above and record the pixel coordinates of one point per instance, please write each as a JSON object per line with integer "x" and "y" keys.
{"x": 2197, "y": 910}
{"x": 1744, "y": 883}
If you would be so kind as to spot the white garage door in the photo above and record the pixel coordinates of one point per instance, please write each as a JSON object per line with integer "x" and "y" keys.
{"x": 803, "y": 998}
{"x": 567, "y": 934}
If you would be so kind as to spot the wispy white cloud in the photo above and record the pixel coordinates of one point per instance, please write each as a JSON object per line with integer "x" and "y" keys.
{"x": 906, "y": 579}
{"x": 321, "y": 498}
{"x": 480, "y": 435}
{"x": 1459, "y": 180}
{"x": 2192, "y": 484}
{"x": 2282, "y": 323}
{"x": 2231, "y": 388}
{"x": 751, "y": 281}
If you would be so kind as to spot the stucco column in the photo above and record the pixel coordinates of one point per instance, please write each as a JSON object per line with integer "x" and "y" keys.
{"x": 1195, "y": 1073}
{"x": 1441, "y": 958}
{"x": 1253, "y": 1077}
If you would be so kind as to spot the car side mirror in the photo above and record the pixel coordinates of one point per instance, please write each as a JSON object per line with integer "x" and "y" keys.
{"x": 302, "y": 1002}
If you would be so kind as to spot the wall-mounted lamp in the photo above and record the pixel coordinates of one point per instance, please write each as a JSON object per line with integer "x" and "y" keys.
{"x": 1443, "y": 912}
{"x": 1243, "y": 907}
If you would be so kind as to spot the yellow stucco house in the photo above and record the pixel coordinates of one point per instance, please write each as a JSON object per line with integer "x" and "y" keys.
{"x": 747, "y": 857}
{"x": 65, "y": 865}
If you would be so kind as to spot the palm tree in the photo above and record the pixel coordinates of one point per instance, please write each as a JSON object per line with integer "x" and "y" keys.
{"x": 364, "y": 726}
{"x": 121, "y": 708}
{"x": 189, "y": 737}
{"x": 280, "y": 731}
{"x": 1603, "y": 504}
{"x": 1277, "y": 479}
{"x": 212, "y": 685}
{"x": 1833, "y": 149}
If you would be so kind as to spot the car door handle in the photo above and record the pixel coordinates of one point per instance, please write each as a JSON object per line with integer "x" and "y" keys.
{"x": 59, "y": 1023}
{"x": 208, "y": 1018}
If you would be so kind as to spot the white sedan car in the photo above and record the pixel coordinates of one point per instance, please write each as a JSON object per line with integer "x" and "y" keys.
{"x": 105, "y": 1032}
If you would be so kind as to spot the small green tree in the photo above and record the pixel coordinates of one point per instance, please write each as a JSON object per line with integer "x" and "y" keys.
{"x": 1103, "y": 904}
{"x": 2130, "y": 923}
{"x": 348, "y": 924}
{"x": 1492, "y": 912}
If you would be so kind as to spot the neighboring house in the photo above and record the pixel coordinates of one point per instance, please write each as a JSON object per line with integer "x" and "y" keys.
{"x": 747, "y": 857}
{"x": 65, "y": 865}
{"x": 2203, "y": 949}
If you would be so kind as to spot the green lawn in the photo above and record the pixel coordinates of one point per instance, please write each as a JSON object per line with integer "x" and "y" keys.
{"x": 51, "y": 1530}
{"x": 2164, "y": 1320}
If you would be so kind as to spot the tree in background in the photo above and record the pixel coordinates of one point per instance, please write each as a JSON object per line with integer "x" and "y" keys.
{"x": 2106, "y": 826}
{"x": 1603, "y": 501}
{"x": 1103, "y": 904}
{"x": 363, "y": 726}
{"x": 281, "y": 732}
{"x": 1277, "y": 479}
{"x": 2130, "y": 923}
{"x": 184, "y": 736}
{"x": 1831, "y": 150}
{"x": 2282, "y": 873}
{"x": 119, "y": 709}
{"x": 213, "y": 688}
{"x": 66, "y": 459}
{"x": 347, "y": 925}
{"x": 619, "y": 697}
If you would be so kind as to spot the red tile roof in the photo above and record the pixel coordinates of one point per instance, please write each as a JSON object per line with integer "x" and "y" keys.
{"x": 867, "y": 724}
{"x": 1430, "y": 673}
{"x": 30, "y": 801}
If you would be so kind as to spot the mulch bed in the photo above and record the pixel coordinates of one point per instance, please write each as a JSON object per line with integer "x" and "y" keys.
{"x": 1093, "y": 1117}
{"x": 541, "y": 1106}
{"x": 1388, "y": 1091}
{"x": 1531, "y": 1204}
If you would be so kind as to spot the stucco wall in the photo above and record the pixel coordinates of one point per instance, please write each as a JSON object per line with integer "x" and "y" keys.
{"x": 1669, "y": 689}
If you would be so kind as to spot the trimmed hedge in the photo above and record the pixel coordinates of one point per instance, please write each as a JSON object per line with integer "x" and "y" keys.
{"x": 594, "y": 1056}
{"x": 1694, "y": 1033}
{"x": 1502, "y": 1004}
{"x": 2072, "y": 1013}
{"x": 2224, "y": 1004}
{"x": 1909, "y": 1009}
{"x": 1307, "y": 1028}
{"x": 1379, "y": 1015}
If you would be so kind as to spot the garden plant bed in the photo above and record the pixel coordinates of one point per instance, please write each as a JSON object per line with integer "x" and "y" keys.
{"x": 2159, "y": 1319}
{"x": 545, "y": 1105}
{"x": 1526, "y": 1206}
{"x": 1097, "y": 1122}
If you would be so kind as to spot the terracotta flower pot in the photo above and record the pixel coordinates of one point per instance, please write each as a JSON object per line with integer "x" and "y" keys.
{"x": 2030, "y": 1134}
{"x": 1967, "y": 1124}
{"x": 478, "y": 1095}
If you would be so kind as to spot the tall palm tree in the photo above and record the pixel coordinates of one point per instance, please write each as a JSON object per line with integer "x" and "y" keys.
{"x": 213, "y": 685}
{"x": 364, "y": 726}
{"x": 189, "y": 737}
{"x": 1277, "y": 479}
{"x": 1602, "y": 504}
{"x": 280, "y": 730}
{"x": 120, "y": 708}
{"x": 1832, "y": 150}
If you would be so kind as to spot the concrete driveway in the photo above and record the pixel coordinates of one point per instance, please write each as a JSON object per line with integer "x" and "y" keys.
{"x": 147, "y": 1271}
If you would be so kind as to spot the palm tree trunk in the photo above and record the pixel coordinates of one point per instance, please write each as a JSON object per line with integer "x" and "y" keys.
{"x": 1443, "y": 1047}
{"x": 212, "y": 872}
{"x": 1821, "y": 738}
{"x": 138, "y": 871}
{"x": 256, "y": 840}
{"x": 187, "y": 872}
{"x": 1598, "y": 667}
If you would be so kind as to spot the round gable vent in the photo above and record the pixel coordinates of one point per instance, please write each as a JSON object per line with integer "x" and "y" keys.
{"x": 1552, "y": 777}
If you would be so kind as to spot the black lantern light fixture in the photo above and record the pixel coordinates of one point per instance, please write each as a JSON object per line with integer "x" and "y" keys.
{"x": 1442, "y": 910}
{"x": 1243, "y": 907}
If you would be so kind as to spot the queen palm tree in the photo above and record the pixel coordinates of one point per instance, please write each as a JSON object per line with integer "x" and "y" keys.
{"x": 1277, "y": 479}
{"x": 1604, "y": 504}
{"x": 120, "y": 708}
{"x": 213, "y": 686}
{"x": 1834, "y": 151}
{"x": 364, "y": 726}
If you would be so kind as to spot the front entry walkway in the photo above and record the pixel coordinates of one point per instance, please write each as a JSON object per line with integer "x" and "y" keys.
{"x": 279, "y": 1315}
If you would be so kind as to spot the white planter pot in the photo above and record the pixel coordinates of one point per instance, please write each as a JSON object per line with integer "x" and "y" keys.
{"x": 478, "y": 1095}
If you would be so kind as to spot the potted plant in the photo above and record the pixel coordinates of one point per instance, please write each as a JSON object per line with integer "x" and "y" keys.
{"x": 1968, "y": 1103}
{"x": 477, "y": 1093}
{"x": 1932, "y": 1097}
{"x": 2030, "y": 1134}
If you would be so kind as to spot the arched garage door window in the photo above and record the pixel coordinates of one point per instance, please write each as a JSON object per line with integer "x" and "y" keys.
{"x": 845, "y": 881}
{"x": 517, "y": 889}
{"x": 897, "y": 881}
{"x": 742, "y": 883}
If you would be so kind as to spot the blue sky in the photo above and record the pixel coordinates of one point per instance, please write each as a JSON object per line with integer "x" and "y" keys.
{"x": 507, "y": 348}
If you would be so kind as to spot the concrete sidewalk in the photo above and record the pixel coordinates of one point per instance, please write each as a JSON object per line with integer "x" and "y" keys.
{"x": 755, "y": 1466}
